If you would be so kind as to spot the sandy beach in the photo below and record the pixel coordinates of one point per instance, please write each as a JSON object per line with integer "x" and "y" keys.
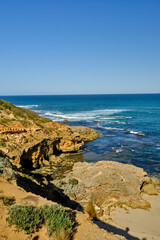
{"x": 140, "y": 224}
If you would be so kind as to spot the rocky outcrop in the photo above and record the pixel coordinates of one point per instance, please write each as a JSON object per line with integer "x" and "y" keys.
{"x": 35, "y": 156}
{"x": 31, "y": 141}
{"x": 86, "y": 133}
{"x": 12, "y": 130}
{"x": 107, "y": 184}
{"x": 149, "y": 186}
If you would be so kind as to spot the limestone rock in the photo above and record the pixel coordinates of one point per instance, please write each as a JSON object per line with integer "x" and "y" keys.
{"x": 30, "y": 140}
{"x": 149, "y": 189}
{"x": 65, "y": 121}
{"x": 86, "y": 133}
{"x": 108, "y": 184}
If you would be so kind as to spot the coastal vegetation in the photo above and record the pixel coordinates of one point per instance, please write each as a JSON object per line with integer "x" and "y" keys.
{"x": 27, "y": 218}
{"x": 2, "y": 142}
{"x": 73, "y": 181}
{"x": 7, "y": 200}
{"x": 17, "y": 111}
{"x": 57, "y": 220}
{"x": 30, "y": 219}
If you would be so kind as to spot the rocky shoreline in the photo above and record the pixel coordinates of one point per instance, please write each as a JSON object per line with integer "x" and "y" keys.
{"x": 43, "y": 158}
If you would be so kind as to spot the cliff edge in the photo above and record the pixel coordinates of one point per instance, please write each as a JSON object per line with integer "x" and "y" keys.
{"x": 30, "y": 140}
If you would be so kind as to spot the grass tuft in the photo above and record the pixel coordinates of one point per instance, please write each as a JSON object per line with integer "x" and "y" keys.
{"x": 90, "y": 210}
{"x": 7, "y": 200}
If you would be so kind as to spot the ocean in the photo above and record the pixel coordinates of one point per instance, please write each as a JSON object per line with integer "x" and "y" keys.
{"x": 129, "y": 124}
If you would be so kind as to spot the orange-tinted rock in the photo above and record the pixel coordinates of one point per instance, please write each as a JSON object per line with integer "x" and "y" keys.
{"x": 30, "y": 140}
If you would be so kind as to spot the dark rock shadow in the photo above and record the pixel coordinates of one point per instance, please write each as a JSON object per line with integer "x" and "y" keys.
{"x": 115, "y": 230}
{"x": 50, "y": 192}
{"x": 35, "y": 238}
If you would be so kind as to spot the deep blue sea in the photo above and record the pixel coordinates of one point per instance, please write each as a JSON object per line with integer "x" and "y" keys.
{"x": 130, "y": 124}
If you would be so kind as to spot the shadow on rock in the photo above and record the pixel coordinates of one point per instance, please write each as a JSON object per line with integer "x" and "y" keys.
{"x": 35, "y": 238}
{"x": 115, "y": 230}
{"x": 50, "y": 191}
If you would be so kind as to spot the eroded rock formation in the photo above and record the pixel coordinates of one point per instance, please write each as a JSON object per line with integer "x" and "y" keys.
{"x": 30, "y": 140}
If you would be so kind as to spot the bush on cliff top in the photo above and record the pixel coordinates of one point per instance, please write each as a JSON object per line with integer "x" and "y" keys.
{"x": 17, "y": 111}
{"x": 30, "y": 218}
{"x": 57, "y": 219}
{"x": 26, "y": 218}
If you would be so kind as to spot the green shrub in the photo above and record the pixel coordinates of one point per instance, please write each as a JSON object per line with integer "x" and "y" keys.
{"x": 6, "y": 105}
{"x": 2, "y": 142}
{"x": 45, "y": 120}
{"x": 57, "y": 220}
{"x": 39, "y": 125}
{"x": 30, "y": 114}
{"x": 73, "y": 181}
{"x": 4, "y": 120}
{"x": 7, "y": 200}
{"x": 27, "y": 218}
{"x": 18, "y": 113}
{"x": 3, "y": 237}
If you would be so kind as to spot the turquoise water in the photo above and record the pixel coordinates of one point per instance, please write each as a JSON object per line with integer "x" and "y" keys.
{"x": 130, "y": 124}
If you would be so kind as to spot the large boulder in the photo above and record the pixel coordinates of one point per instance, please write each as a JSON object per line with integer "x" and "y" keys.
{"x": 107, "y": 184}
{"x": 86, "y": 133}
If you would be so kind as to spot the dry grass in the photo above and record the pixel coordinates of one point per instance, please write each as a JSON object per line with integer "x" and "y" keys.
{"x": 90, "y": 210}
{"x": 63, "y": 235}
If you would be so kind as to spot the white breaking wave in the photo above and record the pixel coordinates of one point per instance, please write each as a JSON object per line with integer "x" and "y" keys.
{"x": 28, "y": 106}
{"x": 115, "y": 117}
{"x": 52, "y": 114}
{"x": 117, "y": 122}
{"x": 113, "y": 128}
{"x": 119, "y": 150}
{"x": 121, "y": 129}
{"x": 87, "y": 115}
{"x": 137, "y": 133}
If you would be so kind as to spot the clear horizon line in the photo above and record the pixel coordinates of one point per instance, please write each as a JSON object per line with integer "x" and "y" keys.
{"x": 78, "y": 94}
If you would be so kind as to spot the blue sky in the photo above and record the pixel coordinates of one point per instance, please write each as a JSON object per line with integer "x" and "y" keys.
{"x": 79, "y": 47}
